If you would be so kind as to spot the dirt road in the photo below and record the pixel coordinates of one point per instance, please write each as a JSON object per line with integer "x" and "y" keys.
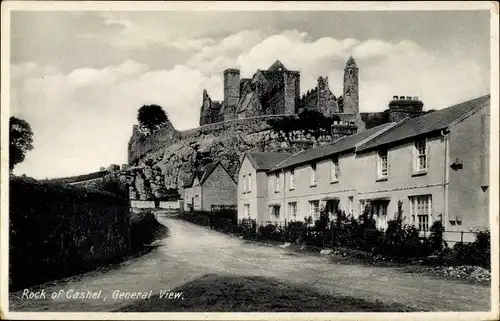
{"x": 192, "y": 251}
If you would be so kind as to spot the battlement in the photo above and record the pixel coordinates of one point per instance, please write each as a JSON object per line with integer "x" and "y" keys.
{"x": 232, "y": 71}
{"x": 277, "y": 91}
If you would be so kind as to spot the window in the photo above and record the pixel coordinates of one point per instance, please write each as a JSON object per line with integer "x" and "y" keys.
{"x": 421, "y": 211}
{"x": 247, "y": 210}
{"x": 244, "y": 183}
{"x": 313, "y": 174}
{"x": 277, "y": 182}
{"x": 382, "y": 168}
{"x": 378, "y": 210}
{"x": 314, "y": 209}
{"x": 249, "y": 185}
{"x": 292, "y": 210}
{"x": 334, "y": 170}
{"x": 423, "y": 223}
{"x": 274, "y": 210}
{"x": 350, "y": 204}
{"x": 292, "y": 179}
{"x": 362, "y": 206}
{"x": 420, "y": 160}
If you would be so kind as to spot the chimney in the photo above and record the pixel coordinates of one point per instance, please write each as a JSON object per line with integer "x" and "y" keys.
{"x": 405, "y": 106}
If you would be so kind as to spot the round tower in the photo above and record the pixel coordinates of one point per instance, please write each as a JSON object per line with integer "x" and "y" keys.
{"x": 351, "y": 88}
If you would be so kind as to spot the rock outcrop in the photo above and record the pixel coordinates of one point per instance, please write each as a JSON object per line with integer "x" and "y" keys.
{"x": 165, "y": 159}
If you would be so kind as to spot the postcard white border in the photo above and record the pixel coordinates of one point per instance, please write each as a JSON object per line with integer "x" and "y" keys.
{"x": 8, "y": 6}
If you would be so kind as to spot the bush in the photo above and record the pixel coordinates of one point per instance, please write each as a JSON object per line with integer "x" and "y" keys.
{"x": 146, "y": 230}
{"x": 400, "y": 240}
{"x": 476, "y": 253}
{"x": 62, "y": 229}
{"x": 295, "y": 231}
{"x": 248, "y": 228}
{"x": 271, "y": 232}
{"x": 435, "y": 243}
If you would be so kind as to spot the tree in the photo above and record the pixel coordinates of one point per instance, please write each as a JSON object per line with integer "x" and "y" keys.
{"x": 21, "y": 139}
{"x": 151, "y": 117}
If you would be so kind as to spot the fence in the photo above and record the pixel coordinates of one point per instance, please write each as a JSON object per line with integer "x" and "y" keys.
{"x": 399, "y": 242}
{"x": 450, "y": 237}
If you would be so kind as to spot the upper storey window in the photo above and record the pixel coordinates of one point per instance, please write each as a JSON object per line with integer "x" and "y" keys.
{"x": 420, "y": 156}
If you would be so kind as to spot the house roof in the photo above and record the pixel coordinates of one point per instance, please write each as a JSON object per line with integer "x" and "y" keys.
{"x": 340, "y": 145}
{"x": 202, "y": 173}
{"x": 264, "y": 161}
{"x": 428, "y": 123}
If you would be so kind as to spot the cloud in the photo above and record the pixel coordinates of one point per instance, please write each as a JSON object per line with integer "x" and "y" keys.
{"x": 82, "y": 119}
{"x": 137, "y": 33}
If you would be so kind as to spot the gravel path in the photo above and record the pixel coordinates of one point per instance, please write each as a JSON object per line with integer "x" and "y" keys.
{"x": 191, "y": 252}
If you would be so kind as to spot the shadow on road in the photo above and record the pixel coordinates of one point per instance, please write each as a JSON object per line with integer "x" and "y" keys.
{"x": 225, "y": 293}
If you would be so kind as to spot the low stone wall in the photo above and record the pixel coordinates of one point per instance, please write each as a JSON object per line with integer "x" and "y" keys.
{"x": 142, "y": 204}
{"x": 170, "y": 205}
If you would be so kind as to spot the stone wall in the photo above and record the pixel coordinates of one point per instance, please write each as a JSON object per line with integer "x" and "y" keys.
{"x": 291, "y": 97}
{"x": 327, "y": 102}
{"x": 219, "y": 189}
{"x": 225, "y": 141}
{"x": 141, "y": 144}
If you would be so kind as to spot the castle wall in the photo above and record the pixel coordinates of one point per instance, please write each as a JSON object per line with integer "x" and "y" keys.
{"x": 327, "y": 103}
{"x": 275, "y": 105}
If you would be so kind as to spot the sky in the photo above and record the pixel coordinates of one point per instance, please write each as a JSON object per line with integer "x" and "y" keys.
{"x": 79, "y": 77}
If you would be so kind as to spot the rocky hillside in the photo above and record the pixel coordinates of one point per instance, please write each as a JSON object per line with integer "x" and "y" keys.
{"x": 173, "y": 155}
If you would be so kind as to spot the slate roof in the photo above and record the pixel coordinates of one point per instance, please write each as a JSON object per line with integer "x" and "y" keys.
{"x": 343, "y": 144}
{"x": 202, "y": 173}
{"x": 428, "y": 123}
{"x": 264, "y": 161}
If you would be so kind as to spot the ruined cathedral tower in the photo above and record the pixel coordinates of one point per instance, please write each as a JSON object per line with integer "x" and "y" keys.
{"x": 351, "y": 88}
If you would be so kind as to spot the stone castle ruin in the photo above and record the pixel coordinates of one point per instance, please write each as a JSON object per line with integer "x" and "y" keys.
{"x": 228, "y": 129}
{"x": 276, "y": 91}
{"x": 160, "y": 162}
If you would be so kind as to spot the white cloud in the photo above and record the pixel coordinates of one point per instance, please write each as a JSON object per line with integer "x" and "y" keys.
{"x": 139, "y": 34}
{"x": 83, "y": 119}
